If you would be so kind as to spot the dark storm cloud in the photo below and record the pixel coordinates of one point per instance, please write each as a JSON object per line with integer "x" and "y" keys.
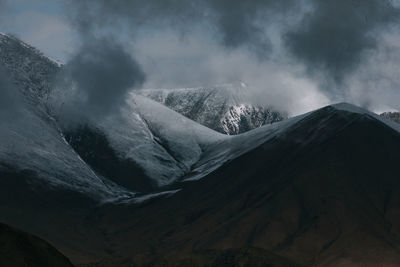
{"x": 333, "y": 37}
{"x": 101, "y": 73}
{"x": 235, "y": 23}
{"x": 242, "y": 23}
{"x": 99, "y": 76}
{"x": 330, "y": 40}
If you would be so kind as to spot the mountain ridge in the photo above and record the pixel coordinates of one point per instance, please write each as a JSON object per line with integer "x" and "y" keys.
{"x": 223, "y": 108}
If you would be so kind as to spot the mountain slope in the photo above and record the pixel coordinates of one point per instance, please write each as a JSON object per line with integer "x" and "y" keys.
{"x": 222, "y": 108}
{"x": 142, "y": 151}
{"x": 24, "y": 250}
{"x": 322, "y": 192}
{"x": 321, "y": 189}
{"x": 29, "y": 69}
{"x": 163, "y": 143}
{"x": 145, "y": 146}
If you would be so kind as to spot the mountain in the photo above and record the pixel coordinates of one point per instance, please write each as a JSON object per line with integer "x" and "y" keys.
{"x": 394, "y": 116}
{"x": 162, "y": 142}
{"x": 136, "y": 151}
{"x": 320, "y": 190}
{"x": 21, "y": 249}
{"x": 222, "y": 108}
{"x": 150, "y": 187}
{"x": 144, "y": 147}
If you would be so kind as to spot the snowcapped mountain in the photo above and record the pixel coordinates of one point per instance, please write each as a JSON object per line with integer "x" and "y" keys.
{"x": 32, "y": 141}
{"x": 320, "y": 189}
{"x": 164, "y": 143}
{"x": 143, "y": 147}
{"x": 223, "y": 108}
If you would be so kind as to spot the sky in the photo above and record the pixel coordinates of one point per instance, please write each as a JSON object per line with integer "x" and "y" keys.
{"x": 41, "y": 23}
{"x": 296, "y": 55}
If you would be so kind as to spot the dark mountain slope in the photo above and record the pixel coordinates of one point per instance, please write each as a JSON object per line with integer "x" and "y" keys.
{"x": 323, "y": 193}
{"x": 94, "y": 148}
{"x": 19, "y": 249}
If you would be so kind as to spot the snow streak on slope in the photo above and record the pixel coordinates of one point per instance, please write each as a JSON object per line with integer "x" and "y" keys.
{"x": 223, "y": 108}
{"x": 165, "y": 143}
{"x": 33, "y": 141}
{"x": 35, "y": 144}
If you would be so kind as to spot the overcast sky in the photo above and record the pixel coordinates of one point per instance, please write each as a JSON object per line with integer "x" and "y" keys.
{"x": 41, "y": 23}
{"x": 294, "y": 54}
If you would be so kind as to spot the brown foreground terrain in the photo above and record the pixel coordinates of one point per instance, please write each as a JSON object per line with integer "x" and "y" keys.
{"x": 19, "y": 249}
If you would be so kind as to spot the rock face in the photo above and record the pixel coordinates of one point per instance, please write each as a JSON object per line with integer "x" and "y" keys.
{"x": 222, "y": 108}
{"x": 20, "y": 249}
{"x": 394, "y": 116}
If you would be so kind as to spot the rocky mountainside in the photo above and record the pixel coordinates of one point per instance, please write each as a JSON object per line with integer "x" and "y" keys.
{"x": 394, "y": 116}
{"x": 222, "y": 108}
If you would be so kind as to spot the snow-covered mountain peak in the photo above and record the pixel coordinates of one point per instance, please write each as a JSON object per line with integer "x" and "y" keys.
{"x": 224, "y": 108}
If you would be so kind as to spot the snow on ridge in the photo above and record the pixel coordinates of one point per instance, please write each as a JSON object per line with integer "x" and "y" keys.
{"x": 147, "y": 197}
{"x": 29, "y": 47}
{"x": 224, "y": 108}
{"x": 237, "y": 145}
{"x": 355, "y": 109}
{"x": 163, "y": 142}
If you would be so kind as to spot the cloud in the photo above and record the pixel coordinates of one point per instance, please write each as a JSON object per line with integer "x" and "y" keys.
{"x": 232, "y": 23}
{"x": 285, "y": 50}
{"x": 334, "y": 36}
{"x": 376, "y": 83}
{"x": 186, "y": 43}
{"x": 95, "y": 82}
